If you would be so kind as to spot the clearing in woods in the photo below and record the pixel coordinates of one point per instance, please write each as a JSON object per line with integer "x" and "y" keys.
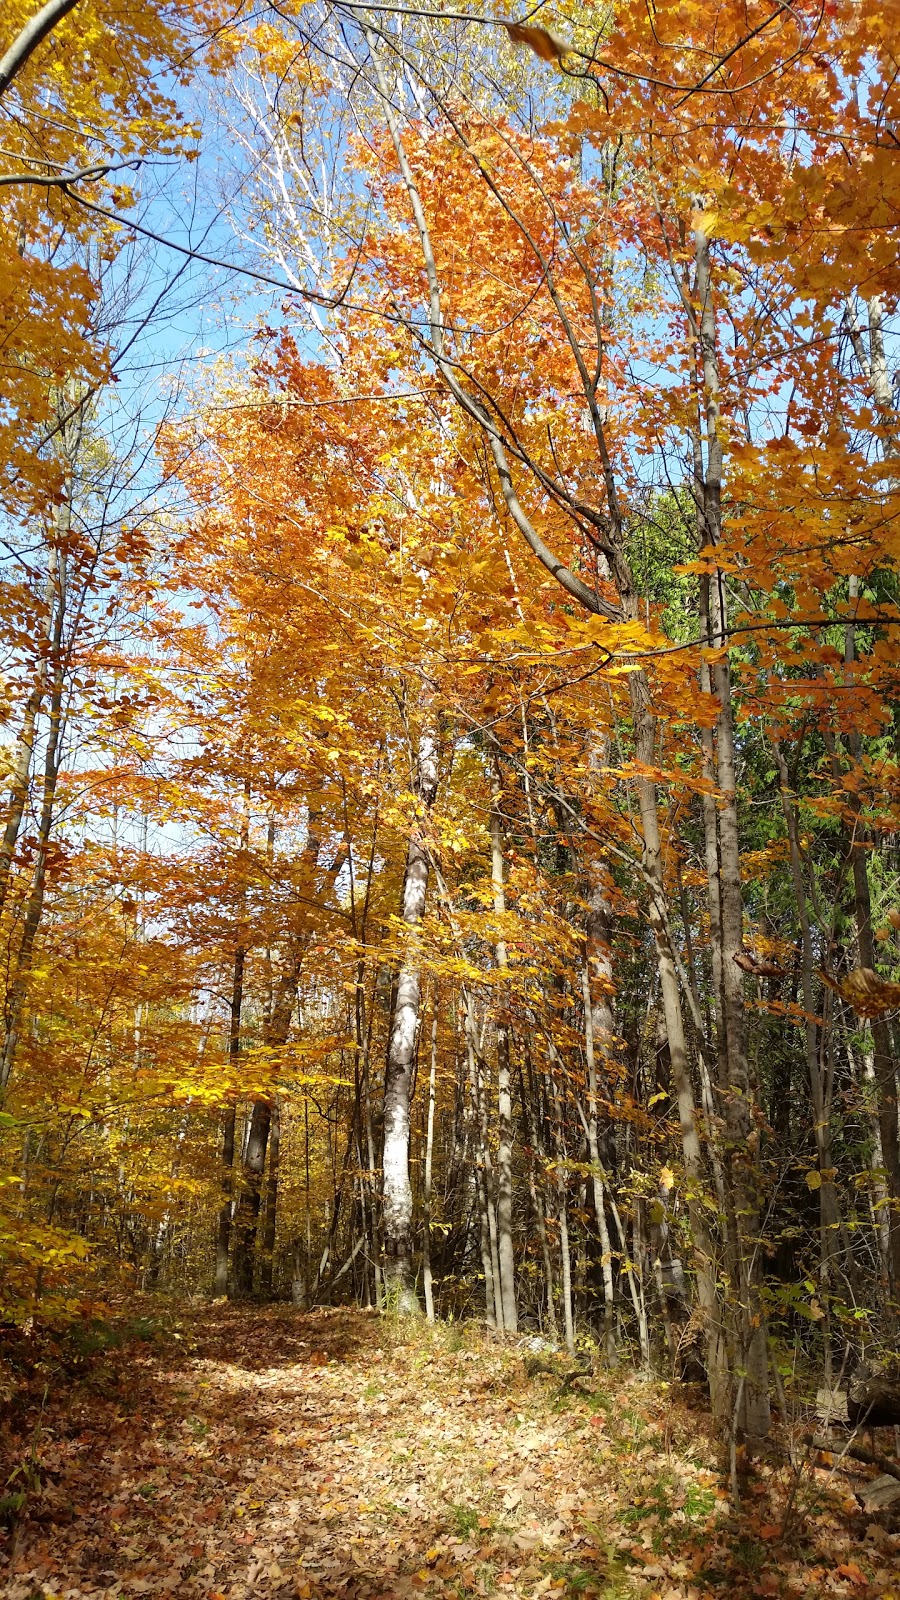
{"x": 238, "y": 1452}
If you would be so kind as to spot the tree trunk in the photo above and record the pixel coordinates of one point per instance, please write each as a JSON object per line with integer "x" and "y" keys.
{"x": 536, "y": 1165}
{"x": 885, "y": 1070}
{"x": 609, "y": 1309}
{"x": 270, "y": 1219}
{"x": 251, "y": 1198}
{"x": 486, "y": 1165}
{"x": 18, "y": 990}
{"x": 565, "y": 1255}
{"x": 276, "y": 1031}
{"x": 426, "y": 1182}
{"x": 504, "y": 1096}
{"x": 873, "y": 1399}
{"x": 223, "y": 1236}
{"x": 703, "y": 1248}
{"x": 20, "y": 768}
{"x": 493, "y": 1309}
{"x": 739, "y": 1107}
{"x": 397, "y": 1202}
{"x": 829, "y": 1213}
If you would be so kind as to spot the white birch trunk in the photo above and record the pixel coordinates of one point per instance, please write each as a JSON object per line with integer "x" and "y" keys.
{"x": 397, "y": 1199}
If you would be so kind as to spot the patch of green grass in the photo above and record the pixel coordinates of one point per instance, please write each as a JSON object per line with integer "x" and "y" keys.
{"x": 599, "y": 1403}
{"x": 750, "y": 1553}
{"x": 656, "y": 1501}
{"x": 11, "y": 1507}
{"x": 392, "y": 1511}
{"x": 145, "y": 1328}
{"x": 699, "y": 1502}
{"x": 94, "y": 1338}
{"x": 576, "y": 1579}
{"x": 608, "y": 1582}
{"x": 98, "y": 1336}
{"x": 464, "y": 1520}
{"x": 633, "y": 1419}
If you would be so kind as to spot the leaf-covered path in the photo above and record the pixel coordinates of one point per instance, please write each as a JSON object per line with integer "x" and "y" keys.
{"x": 266, "y": 1453}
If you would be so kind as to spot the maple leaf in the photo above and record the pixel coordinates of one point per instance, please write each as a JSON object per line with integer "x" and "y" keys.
{"x": 545, "y": 44}
{"x": 866, "y": 991}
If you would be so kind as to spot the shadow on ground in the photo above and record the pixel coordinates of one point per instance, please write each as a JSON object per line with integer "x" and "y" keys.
{"x": 268, "y": 1453}
{"x": 246, "y": 1451}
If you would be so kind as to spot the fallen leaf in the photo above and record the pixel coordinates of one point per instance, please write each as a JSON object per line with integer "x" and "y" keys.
{"x": 546, "y": 44}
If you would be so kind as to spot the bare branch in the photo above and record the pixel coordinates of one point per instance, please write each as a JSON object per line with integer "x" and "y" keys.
{"x": 33, "y": 34}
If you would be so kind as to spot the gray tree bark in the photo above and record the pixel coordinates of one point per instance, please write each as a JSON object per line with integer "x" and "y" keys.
{"x": 505, "y": 1251}
{"x": 739, "y": 1102}
{"x": 426, "y": 1179}
{"x": 223, "y": 1235}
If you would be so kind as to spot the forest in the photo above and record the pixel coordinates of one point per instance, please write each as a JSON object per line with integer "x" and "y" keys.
{"x": 450, "y": 835}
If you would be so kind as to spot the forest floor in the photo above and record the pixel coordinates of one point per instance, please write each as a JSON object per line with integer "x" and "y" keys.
{"x": 230, "y": 1452}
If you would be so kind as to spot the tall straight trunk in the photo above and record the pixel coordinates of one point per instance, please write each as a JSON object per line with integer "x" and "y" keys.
{"x": 426, "y": 1180}
{"x": 373, "y": 1198}
{"x": 368, "y": 1186}
{"x": 537, "y": 1164}
{"x": 476, "y": 1068}
{"x": 302, "y": 1255}
{"x": 609, "y": 1307}
{"x": 875, "y": 368}
{"x": 254, "y": 1166}
{"x": 20, "y": 766}
{"x": 339, "y": 1190}
{"x": 34, "y": 907}
{"x": 872, "y": 359}
{"x": 598, "y": 974}
{"x": 280, "y": 1010}
{"x": 493, "y": 1307}
{"x": 864, "y": 1076}
{"x": 710, "y": 813}
{"x": 741, "y": 1133}
{"x": 638, "y": 1257}
{"x": 484, "y": 1241}
{"x": 270, "y": 1218}
{"x": 364, "y": 1292}
{"x": 456, "y": 1184}
{"x": 565, "y": 1255}
{"x": 644, "y": 722}
{"x": 69, "y": 438}
{"x": 695, "y": 1178}
{"x": 223, "y": 1236}
{"x": 599, "y": 1036}
{"x": 504, "y": 1095}
{"x": 362, "y": 1071}
{"x": 884, "y": 1065}
{"x": 829, "y": 1213}
{"x": 397, "y": 1199}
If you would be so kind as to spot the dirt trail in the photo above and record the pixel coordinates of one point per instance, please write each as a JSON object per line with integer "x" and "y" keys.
{"x": 272, "y": 1454}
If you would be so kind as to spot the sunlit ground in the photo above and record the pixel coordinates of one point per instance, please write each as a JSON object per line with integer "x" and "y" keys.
{"x": 266, "y": 1453}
